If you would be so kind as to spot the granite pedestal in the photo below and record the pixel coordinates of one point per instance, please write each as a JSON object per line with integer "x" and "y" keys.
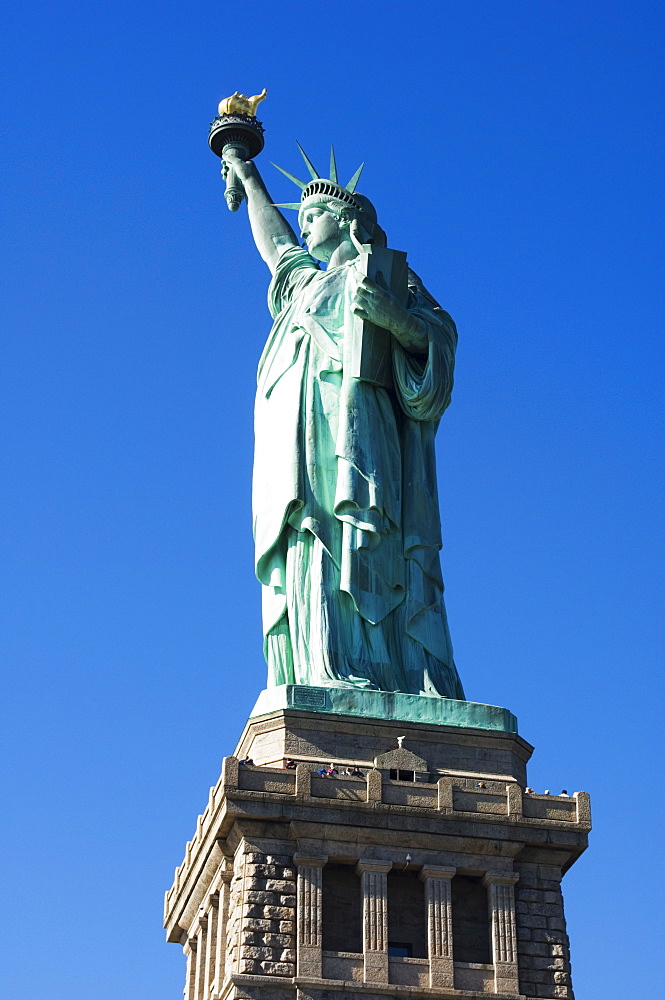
{"x": 306, "y": 886}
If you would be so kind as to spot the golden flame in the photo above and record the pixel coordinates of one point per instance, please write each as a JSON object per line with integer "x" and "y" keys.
{"x": 240, "y": 104}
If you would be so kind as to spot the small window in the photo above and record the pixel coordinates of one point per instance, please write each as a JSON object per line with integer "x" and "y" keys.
{"x": 396, "y": 775}
{"x": 400, "y": 949}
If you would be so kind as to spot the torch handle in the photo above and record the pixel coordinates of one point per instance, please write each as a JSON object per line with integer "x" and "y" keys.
{"x": 234, "y": 192}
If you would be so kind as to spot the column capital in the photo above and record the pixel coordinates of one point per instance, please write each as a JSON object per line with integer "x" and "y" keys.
{"x": 500, "y": 878}
{"x": 436, "y": 871}
{"x": 313, "y": 860}
{"x": 369, "y": 865}
{"x": 199, "y": 923}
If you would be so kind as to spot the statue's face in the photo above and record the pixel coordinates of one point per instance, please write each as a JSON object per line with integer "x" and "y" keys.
{"x": 321, "y": 231}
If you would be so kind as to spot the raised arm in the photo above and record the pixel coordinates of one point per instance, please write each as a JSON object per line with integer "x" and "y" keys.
{"x": 271, "y": 232}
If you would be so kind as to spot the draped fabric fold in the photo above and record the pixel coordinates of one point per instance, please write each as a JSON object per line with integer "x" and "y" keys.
{"x": 346, "y": 518}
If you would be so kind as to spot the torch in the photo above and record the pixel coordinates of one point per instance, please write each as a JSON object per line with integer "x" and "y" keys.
{"x": 236, "y": 127}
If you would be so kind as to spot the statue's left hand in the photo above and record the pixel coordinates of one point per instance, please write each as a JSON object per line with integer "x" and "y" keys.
{"x": 375, "y": 302}
{"x": 241, "y": 168}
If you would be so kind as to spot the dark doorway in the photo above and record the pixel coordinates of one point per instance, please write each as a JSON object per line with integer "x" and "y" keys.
{"x": 407, "y": 931}
{"x": 471, "y": 925}
{"x": 342, "y": 909}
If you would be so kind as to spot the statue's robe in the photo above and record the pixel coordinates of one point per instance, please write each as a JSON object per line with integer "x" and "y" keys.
{"x": 346, "y": 518}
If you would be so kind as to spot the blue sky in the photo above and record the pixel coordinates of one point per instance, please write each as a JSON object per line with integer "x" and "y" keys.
{"x": 514, "y": 150}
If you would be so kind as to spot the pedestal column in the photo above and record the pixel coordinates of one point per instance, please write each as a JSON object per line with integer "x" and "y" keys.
{"x": 501, "y": 902}
{"x": 374, "y": 887}
{"x": 189, "y": 948}
{"x": 221, "y": 936}
{"x": 438, "y": 901}
{"x": 199, "y": 971}
{"x": 309, "y": 914}
{"x": 211, "y": 945}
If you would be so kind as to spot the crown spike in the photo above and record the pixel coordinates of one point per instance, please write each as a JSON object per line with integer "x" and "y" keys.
{"x": 295, "y": 205}
{"x": 333, "y": 166}
{"x": 310, "y": 166}
{"x": 351, "y": 186}
{"x": 298, "y": 183}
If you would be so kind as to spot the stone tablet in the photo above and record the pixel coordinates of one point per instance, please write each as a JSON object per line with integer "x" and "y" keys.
{"x": 368, "y": 348}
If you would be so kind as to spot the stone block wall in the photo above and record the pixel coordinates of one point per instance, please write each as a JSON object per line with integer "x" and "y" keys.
{"x": 265, "y": 915}
{"x": 543, "y": 947}
{"x": 234, "y": 919}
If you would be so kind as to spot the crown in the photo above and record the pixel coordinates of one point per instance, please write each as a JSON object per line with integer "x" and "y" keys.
{"x": 324, "y": 188}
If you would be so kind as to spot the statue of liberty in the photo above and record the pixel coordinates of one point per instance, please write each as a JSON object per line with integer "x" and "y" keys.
{"x": 345, "y": 506}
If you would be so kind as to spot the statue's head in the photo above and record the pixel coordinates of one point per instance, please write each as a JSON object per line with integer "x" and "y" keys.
{"x": 327, "y": 221}
{"x": 330, "y": 214}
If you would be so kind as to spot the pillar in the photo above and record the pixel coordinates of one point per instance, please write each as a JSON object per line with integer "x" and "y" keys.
{"x": 211, "y": 945}
{"x": 309, "y": 915}
{"x": 189, "y": 949}
{"x": 222, "y": 921}
{"x": 199, "y": 969}
{"x": 374, "y": 887}
{"x": 501, "y": 902}
{"x": 583, "y": 809}
{"x": 445, "y": 795}
{"x": 304, "y": 780}
{"x": 374, "y": 785}
{"x": 438, "y": 901}
{"x": 514, "y": 796}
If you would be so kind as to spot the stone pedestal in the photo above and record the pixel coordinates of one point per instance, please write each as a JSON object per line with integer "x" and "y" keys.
{"x": 432, "y": 872}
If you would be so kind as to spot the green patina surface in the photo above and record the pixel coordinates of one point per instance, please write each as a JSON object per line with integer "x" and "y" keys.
{"x": 354, "y": 378}
{"x": 385, "y": 705}
{"x": 345, "y": 504}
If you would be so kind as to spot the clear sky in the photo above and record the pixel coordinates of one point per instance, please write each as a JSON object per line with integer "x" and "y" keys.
{"x": 513, "y": 149}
